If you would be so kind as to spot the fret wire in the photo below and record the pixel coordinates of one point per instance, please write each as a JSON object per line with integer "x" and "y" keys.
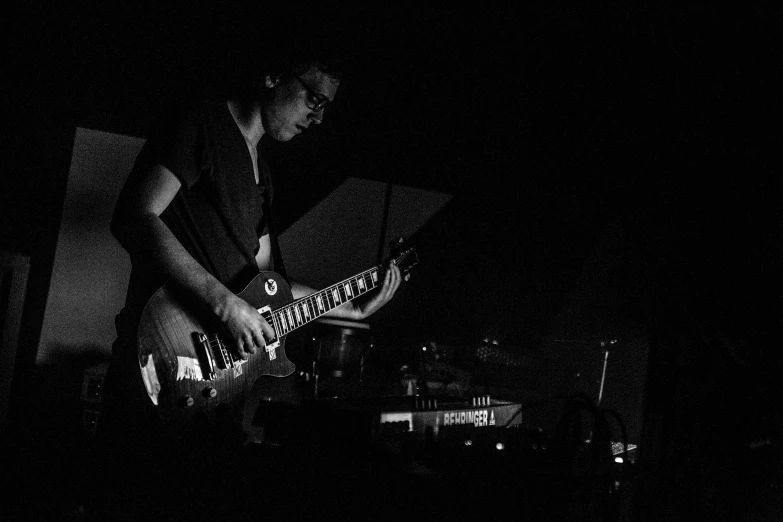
{"x": 283, "y": 323}
{"x": 275, "y": 325}
{"x": 280, "y": 321}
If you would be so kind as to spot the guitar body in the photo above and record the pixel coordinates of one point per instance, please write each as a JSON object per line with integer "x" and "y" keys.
{"x": 178, "y": 379}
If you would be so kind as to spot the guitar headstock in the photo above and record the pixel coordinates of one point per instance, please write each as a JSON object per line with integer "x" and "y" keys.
{"x": 405, "y": 257}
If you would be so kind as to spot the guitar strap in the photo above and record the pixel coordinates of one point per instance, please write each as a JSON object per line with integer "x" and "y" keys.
{"x": 277, "y": 257}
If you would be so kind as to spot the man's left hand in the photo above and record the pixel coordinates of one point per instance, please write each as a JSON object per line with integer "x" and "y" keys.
{"x": 391, "y": 282}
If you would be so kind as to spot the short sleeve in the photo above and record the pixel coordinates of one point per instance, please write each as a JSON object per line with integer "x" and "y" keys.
{"x": 182, "y": 146}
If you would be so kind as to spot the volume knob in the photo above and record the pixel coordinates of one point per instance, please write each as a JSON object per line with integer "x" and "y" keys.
{"x": 209, "y": 392}
{"x": 186, "y": 401}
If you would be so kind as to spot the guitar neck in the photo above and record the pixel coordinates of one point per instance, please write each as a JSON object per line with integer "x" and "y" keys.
{"x": 307, "y": 309}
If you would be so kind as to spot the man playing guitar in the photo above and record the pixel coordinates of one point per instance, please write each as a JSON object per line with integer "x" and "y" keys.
{"x": 193, "y": 215}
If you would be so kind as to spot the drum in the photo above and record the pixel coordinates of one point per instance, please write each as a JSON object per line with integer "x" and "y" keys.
{"x": 340, "y": 348}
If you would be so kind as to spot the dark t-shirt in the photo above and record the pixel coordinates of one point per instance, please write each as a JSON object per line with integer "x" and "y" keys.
{"x": 218, "y": 216}
{"x": 218, "y": 213}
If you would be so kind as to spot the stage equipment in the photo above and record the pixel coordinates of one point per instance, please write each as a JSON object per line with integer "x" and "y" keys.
{"x": 605, "y": 345}
{"x": 427, "y": 415}
{"x": 489, "y": 351}
{"x": 369, "y": 420}
{"x": 424, "y": 414}
{"x": 340, "y": 348}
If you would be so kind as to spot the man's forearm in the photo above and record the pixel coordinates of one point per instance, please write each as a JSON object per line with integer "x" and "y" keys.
{"x": 149, "y": 240}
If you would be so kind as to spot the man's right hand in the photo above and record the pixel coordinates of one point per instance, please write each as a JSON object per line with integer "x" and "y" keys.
{"x": 247, "y": 328}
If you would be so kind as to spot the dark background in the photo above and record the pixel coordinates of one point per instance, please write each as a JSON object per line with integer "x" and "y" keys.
{"x": 555, "y": 127}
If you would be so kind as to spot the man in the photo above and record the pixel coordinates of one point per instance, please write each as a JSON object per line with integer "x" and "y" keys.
{"x": 194, "y": 215}
{"x": 143, "y": 221}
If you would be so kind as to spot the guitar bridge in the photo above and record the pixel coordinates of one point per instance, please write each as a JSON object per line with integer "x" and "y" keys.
{"x": 214, "y": 356}
{"x": 204, "y": 352}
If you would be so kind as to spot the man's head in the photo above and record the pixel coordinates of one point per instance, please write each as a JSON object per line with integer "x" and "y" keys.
{"x": 298, "y": 96}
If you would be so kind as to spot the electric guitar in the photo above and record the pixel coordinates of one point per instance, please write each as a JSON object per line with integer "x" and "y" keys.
{"x": 189, "y": 371}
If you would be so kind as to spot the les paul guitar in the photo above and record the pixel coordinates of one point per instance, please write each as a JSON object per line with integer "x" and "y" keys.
{"x": 190, "y": 372}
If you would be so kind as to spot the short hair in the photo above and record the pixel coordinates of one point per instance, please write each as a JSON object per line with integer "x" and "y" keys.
{"x": 330, "y": 58}
{"x": 254, "y": 51}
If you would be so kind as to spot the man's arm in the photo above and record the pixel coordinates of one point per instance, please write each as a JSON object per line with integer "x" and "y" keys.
{"x": 137, "y": 226}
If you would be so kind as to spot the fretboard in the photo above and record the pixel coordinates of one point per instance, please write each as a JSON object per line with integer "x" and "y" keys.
{"x": 302, "y": 311}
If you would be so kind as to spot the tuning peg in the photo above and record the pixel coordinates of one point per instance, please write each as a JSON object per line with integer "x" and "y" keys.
{"x": 407, "y": 277}
{"x": 396, "y": 242}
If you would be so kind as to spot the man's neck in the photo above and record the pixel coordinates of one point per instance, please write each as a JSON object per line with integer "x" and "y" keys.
{"x": 248, "y": 118}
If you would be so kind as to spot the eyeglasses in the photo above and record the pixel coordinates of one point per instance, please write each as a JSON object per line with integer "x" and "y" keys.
{"x": 320, "y": 100}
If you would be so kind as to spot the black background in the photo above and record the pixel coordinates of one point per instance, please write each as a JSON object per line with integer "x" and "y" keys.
{"x": 547, "y": 123}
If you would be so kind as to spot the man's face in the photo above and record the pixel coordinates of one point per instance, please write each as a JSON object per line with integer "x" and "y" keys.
{"x": 296, "y": 102}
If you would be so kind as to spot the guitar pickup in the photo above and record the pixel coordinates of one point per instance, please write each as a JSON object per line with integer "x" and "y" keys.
{"x": 271, "y": 345}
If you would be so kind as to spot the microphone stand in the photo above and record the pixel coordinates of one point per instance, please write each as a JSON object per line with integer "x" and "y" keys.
{"x": 605, "y": 345}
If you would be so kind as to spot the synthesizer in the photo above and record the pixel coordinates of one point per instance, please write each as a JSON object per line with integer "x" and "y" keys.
{"x": 420, "y": 415}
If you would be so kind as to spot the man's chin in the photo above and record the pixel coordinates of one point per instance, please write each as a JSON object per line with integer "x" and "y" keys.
{"x": 283, "y": 136}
